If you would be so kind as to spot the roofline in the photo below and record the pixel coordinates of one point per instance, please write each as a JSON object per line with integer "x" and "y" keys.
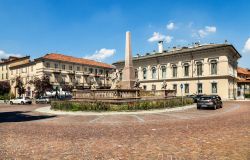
{"x": 42, "y": 58}
{"x": 20, "y": 58}
{"x": 21, "y": 65}
{"x": 179, "y": 52}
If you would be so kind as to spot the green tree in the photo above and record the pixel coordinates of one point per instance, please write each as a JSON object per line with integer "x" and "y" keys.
{"x": 19, "y": 86}
{"x": 41, "y": 85}
{"x": 4, "y": 87}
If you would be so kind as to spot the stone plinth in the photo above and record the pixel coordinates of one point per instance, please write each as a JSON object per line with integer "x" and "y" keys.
{"x": 106, "y": 94}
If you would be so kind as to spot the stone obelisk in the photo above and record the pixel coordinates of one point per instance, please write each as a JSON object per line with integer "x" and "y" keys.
{"x": 128, "y": 79}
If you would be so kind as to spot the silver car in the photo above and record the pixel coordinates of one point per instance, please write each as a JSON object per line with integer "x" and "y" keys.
{"x": 43, "y": 100}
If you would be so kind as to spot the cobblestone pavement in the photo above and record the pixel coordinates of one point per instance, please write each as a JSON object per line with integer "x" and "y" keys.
{"x": 188, "y": 134}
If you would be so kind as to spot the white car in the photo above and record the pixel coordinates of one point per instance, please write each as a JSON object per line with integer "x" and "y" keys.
{"x": 21, "y": 100}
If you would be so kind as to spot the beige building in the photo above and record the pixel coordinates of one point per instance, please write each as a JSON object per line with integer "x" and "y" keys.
{"x": 203, "y": 69}
{"x": 64, "y": 71}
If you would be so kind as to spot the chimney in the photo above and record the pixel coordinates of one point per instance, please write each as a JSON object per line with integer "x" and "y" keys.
{"x": 160, "y": 46}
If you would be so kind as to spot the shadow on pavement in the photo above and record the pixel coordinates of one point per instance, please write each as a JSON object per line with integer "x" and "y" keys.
{"x": 18, "y": 116}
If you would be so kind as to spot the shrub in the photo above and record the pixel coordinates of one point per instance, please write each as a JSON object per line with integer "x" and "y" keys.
{"x": 105, "y": 106}
{"x": 247, "y": 95}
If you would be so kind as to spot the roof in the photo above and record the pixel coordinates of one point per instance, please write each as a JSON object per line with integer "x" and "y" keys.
{"x": 184, "y": 50}
{"x": 65, "y": 58}
{"x": 245, "y": 71}
{"x": 13, "y": 59}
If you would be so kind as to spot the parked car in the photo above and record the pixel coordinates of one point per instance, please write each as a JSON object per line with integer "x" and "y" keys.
{"x": 213, "y": 101}
{"x": 196, "y": 97}
{"x": 21, "y": 100}
{"x": 43, "y": 100}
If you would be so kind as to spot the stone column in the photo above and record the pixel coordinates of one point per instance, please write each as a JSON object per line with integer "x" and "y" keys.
{"x": 128, "y": 78}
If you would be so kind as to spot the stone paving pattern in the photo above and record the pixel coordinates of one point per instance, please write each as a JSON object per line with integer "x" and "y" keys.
{"x": 189, "y": 134}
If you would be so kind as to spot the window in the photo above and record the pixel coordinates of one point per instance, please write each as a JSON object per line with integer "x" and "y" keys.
{"x": 153, "y": 87}
{"x": 199, "y": 68}
{"x": 24, "y": 70}
{"x": 70, "y": 67}
{"x": 101, "y": 71}
{"x": 144, "y": 73}
{"x": 48, "y": 65}
{"x": 78, "y": 68}
{"x": 175, "y": 87}
{"x": 153, "y": 73}
{"x": 163, "y": 72}
{"x": 213, "y": 67}
{"x": 11, "y": 72}
{"x": 214, "y": 87}
{"x": 186, "y": 70}
{"x": 63, "y": 66}
{"x": 31, "y": 68}
{"x": 174, "y": 71}
{"x": 144, "y": 87}
{"x": 2, "y": 76}
{"x": 6, "y": 75}
{"x": 90, "y": 70}
{"x": 186, "y": 87}
{"x": 95, "y": 71}
{"x": 199, "y": 86}
{"x": 136, "y": 73}
{"x": 120, "y": 72}
{"x": 56, "y": 65}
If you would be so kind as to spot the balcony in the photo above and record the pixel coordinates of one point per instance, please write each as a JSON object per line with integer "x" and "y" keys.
{"x": 57, "y": 71}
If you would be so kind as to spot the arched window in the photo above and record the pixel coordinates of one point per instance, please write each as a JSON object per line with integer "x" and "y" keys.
{"x": 163, "y": 72}
{"x": 199, "y": 68}
{"x": 144, "y": 73}
{"x": 174, "y": 67}
{"x": 153, "y": 73}
{"x": 213, "y": 67}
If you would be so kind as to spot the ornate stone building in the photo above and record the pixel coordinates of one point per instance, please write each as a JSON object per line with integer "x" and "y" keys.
{"x": 200, "y": 69}
{"x": 64, "y": 72}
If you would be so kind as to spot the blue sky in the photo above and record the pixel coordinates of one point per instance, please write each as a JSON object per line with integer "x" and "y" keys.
{"x": 96, "y": 28}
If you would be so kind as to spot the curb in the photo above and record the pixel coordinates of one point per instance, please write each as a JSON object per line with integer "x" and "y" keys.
{"x": 80, "y": 113}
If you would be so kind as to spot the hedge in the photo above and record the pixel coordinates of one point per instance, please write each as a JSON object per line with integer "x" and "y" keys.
{"x": 105, "y": 106}
{"x": 247, "y": 95}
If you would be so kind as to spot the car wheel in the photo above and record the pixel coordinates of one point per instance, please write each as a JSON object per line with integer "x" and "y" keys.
{"x": 198, "y": 107}
{"x": 11, "y": 102}
{"x": 22, "y": 103}
{"x": 215, "y": 107}
{"x": 221, "y": 105}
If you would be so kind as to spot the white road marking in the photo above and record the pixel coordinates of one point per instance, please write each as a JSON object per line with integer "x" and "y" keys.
{"x": 96, "y": 119}
{"x": 138, "y": 118}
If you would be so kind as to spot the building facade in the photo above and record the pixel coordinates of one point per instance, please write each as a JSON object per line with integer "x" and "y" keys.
{"x": 200, "y": 69}
{"x": 64, "y": 72}
{"x": 243, "y": 82}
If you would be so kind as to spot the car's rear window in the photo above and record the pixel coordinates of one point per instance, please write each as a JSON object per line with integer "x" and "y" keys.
{"x": 27, "y": 98}
{"x": 205, "y": 98}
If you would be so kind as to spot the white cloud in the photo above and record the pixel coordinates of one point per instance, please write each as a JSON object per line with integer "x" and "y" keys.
{"x": 160, "y": 37}
{"x": 101, "y": 54}
{"x": 210, "y": 29}
{"x": 246, "y": 48}
{"x": 170, "y": 26}
{"x": 3, "y": 54}
{"x": 206, "y": 31}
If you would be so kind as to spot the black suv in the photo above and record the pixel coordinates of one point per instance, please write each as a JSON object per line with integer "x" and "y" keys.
{"x": 213, "y": 101}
